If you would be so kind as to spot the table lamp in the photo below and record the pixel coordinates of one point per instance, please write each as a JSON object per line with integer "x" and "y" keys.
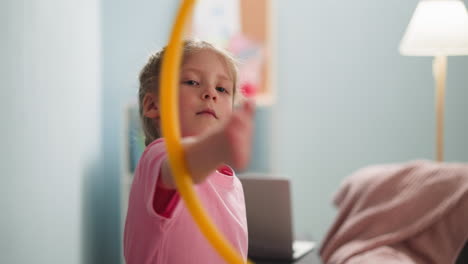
{"x": 438, "y": 28}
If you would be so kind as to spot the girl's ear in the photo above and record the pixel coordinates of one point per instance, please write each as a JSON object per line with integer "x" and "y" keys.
{"x": 151, "y": 106}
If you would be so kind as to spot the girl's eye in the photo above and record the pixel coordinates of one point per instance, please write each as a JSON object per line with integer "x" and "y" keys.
{"x": 191, "y": 82}
{"x": 221, "y": 89}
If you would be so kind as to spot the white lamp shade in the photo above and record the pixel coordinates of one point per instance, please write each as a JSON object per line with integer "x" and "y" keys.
{"x": 438, "y": 27}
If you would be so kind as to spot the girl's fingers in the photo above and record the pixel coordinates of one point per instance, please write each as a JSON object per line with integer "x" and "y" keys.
{"x": 249, "y": 107}
{"x": 245, "y": 112}
{"x": 239, "y": 133}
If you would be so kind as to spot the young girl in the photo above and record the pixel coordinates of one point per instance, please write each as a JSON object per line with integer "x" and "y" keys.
{"x": 159, "y": 228}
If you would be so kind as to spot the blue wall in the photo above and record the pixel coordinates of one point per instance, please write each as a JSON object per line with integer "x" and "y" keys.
{"x": 50, "y": 137}
{"x": 347, "y": 99}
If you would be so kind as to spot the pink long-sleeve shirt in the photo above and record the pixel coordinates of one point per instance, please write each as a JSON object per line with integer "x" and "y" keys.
{"x": 169, "y": 235}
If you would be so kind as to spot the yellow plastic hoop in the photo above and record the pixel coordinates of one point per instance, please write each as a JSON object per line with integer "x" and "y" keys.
{"x": 171, "y": 132}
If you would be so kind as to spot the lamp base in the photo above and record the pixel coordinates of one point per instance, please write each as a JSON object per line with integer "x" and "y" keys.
{"x": 439, "y": 70}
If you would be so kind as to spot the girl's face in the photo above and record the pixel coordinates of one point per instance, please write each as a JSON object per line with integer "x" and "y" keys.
{"x": 206, "y": 92}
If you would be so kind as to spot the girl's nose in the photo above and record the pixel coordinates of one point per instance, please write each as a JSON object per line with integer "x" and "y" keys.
{"x": 209, "y": 94}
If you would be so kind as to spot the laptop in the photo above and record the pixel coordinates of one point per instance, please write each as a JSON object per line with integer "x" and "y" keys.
{"x": 269, "y": 220}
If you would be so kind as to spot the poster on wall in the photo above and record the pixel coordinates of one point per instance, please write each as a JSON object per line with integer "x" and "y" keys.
{"x": 230, "y": 25}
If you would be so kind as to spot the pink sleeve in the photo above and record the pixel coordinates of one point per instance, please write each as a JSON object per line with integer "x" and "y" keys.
{"x": 160, "y": 202}
{"x": 166, "y": 200}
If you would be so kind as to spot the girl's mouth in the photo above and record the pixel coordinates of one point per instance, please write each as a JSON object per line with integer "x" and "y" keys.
{"x": 208, "y": 112}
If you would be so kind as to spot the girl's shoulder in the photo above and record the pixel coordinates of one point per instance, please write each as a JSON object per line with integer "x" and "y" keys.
{"x": 157, "y": 145}
{"x": 155, "y": 150}
{"x": 156, "y": 142}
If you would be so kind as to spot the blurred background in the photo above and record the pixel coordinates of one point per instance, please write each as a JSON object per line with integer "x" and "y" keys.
{"x": 344, "y": 99}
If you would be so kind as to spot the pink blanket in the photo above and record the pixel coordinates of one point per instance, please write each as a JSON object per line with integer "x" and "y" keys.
{"x": 415, "y": 212}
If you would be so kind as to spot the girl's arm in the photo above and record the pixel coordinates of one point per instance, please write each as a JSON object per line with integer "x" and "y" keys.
{"x": 231, "y": 144}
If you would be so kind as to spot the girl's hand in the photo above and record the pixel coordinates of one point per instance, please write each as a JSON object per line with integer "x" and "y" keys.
{"x": 237, "y": 133}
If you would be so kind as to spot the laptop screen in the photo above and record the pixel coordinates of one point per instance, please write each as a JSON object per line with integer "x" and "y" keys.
{"x": 269, "y": 216}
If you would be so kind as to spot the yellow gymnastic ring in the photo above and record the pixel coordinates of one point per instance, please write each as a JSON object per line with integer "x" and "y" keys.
{"x": 171, "y": 132}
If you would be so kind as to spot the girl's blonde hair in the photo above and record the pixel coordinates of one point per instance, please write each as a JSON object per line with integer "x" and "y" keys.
{"x": 149, "y": 79}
